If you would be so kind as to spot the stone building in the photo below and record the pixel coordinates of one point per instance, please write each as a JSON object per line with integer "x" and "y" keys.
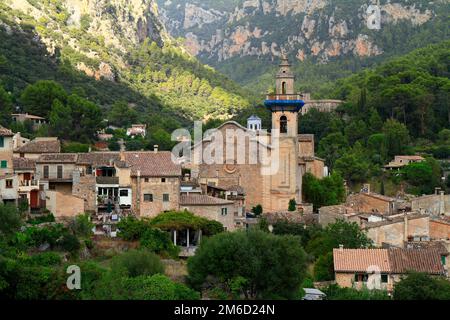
{"x": 6, "y": 151}
{"x": 41, "y": 145}
{"x": 398, "y": 230}
{"x": 439, "y": 228}
{"x": 370, "y": 202}
{"x": 210, "y": 208}
{"x": 383, "y": 268}
{"x": 322, "y": 105}
{"x": 270, "y": 168}
{"x": 28, "y": 183}
{"x": 433, "y": 204}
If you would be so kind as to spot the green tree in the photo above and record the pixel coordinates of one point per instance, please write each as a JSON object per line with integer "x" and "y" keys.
{"x": 122, "y": 115}
{"x": 60, "y": 119}
{"x": 324, "y": 268}
{"x": 397, "y": 137}
{"x": 38, "y": 98}
{"x": 257, "y": 210}
{"x": 420, "y": 286}
{"x": 332, "y": 147}
{"x": 256, "y": 264}
{"x": 292, "y": 205}
{"x": 6, "y": 107}
{"x": 9, "y": 220}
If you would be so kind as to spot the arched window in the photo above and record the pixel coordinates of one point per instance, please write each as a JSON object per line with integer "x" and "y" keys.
{"x": 283, "y": 124}
{"x": 283, "y": 87}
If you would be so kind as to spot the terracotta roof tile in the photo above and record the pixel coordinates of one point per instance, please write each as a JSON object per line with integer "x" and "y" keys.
{"x": 40, "y": 146}
{"x": 5, "y": 132}
{"x": 152, "y": 164}
{"x": 202, "y": 199}
{"x": 58, "y": 158}
{"x": 419, "y": 260}
{"x": 24, "y": 164}
{"x": 361, "y": 260}
{"x": 98, "y": 158}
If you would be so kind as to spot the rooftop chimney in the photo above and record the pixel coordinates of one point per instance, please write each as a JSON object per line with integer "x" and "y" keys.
{"x": 155, "y": 148}
{"x": 341, "y": 247}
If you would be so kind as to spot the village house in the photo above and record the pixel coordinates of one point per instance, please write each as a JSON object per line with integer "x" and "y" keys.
{"x": 439, "y": 228}
{"x": 371, "y": 202}
{"x": 211, "y": 208}
{"x": 6, "y": 151}
{"x": 402, "y": 161}
{"x": 322, "y": 105}
{"x": 35, "y": 148}
{"x": 137, "y": 130}
{"x": 398, "y": 230}
{"x": 28, "y": 188}
{"x": 9, "y": 189}
{"x": 382, "y": 268}
{"x": 437, "y": 204}
{"x": 36, "y": 121}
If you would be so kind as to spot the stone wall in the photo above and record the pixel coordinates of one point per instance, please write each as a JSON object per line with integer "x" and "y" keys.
{"x": 214, "y": 212}
{"x": 157, "y": 188}
{"x": 64, "y": 205}
{"x": 434, "y": 204}
{"x": 84, "y": 188}
{"x": 439, "y": 230}
{"x": 394, "y": 233}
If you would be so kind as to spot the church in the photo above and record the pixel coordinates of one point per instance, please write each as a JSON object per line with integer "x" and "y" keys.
{"x": 262, "y": 182}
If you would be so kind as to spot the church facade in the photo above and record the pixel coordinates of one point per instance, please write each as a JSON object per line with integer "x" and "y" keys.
{"x": 268, "y": 167}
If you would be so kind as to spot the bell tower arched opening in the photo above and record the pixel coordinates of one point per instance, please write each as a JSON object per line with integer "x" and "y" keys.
{"x": 283, "y": 124}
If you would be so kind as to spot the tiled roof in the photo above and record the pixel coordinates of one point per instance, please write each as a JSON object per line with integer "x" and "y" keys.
{"x": 5, "y": 132}
{"x": 152, "y": 164}
{"x": 98, "y": 158}
{"x": 202, "y": 199}
{"x": 419, "y": 260}
{"x": 40, "y": 146}
{"x": 410, "y": 157}
{"x": 392, "y": 260}
{"x": 58, "y": 158}
{"x": 361, "y": 260}
{"x": 24, "y": 164}
{"x": 289, "y": 216}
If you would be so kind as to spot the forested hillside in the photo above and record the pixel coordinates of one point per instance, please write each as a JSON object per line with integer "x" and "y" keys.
{"x": 400, "y": 107}
{"x": 108, "y": 51}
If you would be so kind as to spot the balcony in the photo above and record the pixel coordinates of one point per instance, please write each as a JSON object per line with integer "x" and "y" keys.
{"x": 107, "y": 180}
{"x": 288, "y": 97}
{"x": 28, "y": 185}
{"x": 284, "y": 102}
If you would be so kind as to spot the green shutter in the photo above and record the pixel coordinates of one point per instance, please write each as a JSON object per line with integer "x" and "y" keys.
{"x": 2, "y": 142}
{"x": 4, "y": 164}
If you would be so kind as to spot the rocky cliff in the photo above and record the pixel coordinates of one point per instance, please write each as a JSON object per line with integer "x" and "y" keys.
{"x": 218, "y": 31}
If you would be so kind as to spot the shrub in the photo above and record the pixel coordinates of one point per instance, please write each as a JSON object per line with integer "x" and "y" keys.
{"x": 70, "y": 243}
{"x": 42, "y": 219}
{"x": 81, "y": 226}
{"x": 136, "y": 263}
{"x": 132, "y": 228}
{"x": 159, "y": 241}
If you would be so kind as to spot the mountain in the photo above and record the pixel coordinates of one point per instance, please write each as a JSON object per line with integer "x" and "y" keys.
{"x": 110, "y": 50}
{"x": 327, "y": 39}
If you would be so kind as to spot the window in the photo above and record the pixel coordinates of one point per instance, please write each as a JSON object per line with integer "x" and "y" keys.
{"x": 224, "y": 211}
{"x": 361, "y": 277}
{"x": 59, "y": 172}
{"x": 166, "y": 197}
{"x": 148, "y": 197}
{"x": 145, "y": 179}
{"x": 45, "y": 172}
{"x": 283, "y": 124}
{"x": 3, "y": 164}
{"x": 2, "y": 142}
{"x": 443, "y": 260}
{"x": 163, "y": 180}
{"x": 283, "y": 88}
{"x": 9, "y": 183}
{"x": 124, "y": 193}
{"x": 384, "y": 278}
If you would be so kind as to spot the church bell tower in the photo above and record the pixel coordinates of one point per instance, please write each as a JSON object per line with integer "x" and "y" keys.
{"x": 285, "y": 104}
